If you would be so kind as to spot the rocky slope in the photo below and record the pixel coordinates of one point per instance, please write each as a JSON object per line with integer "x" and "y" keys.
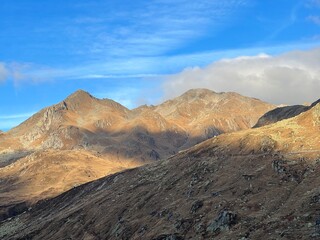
{"x": 47, "y": 173}
{"x": 83, "y": 127}
{"x": 281, "y": 113}
{"x": 202, "y": 113}
{"x": 260, "y": 183}
{"x": 146, "y": 133}
{"x": 143, "y": 134}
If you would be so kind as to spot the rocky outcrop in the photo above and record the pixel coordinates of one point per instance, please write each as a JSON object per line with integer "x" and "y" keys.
{"x": 224, "y": 221}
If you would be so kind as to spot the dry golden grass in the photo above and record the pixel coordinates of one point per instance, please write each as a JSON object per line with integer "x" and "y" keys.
{"x": 83, "y": 138}
{"x": 45, "y": 174}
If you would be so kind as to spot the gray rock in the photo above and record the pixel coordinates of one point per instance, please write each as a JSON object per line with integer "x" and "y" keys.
{"x": 154, "y": 155}
{"x": 168, "y": 237}
{"x": 279, "y": 166}
{"x": 225, "y": 221}
{"x": 196, "y": 206}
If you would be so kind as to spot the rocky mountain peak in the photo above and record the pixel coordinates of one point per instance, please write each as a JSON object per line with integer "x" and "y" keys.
{"x": 198, "y": 93}
{"x": 232, "y": 181}
{"x": 79, "y": 100}
{"x": 79, "y": 95}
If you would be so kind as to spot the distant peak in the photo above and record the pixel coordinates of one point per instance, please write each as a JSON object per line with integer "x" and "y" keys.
{"x": 77, "y": 99}
{"x": 198, "y": 92}
{"x": 80, "y": 94}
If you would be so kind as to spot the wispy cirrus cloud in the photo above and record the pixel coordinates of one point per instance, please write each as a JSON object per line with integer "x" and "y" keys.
{"x": 140, "y": 39}
{"x": 314, "y": 19}
{"x": 16, "y": 116}
{"x": 9, "y": 121}
{"x": 152, "y": 27}
{"x": 20, "y": 73}
{"x": 3, "y": 72}
{"x": 287, "y": 22}
{"x": 148, "y": 67}
{"x": 313, "y": 3}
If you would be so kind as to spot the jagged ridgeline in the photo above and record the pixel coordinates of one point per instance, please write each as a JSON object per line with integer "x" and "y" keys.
{"x": 84, "y": 138}
{"x": 260, "y": 183}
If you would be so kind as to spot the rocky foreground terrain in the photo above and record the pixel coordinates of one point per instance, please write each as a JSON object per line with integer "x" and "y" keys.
{"x": 84, "y": 138}
{"x": 261, "y": 183}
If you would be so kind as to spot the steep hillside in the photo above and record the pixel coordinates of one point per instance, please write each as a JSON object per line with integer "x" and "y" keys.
{"x": 143, "y": 134}
{"x": 82, "y": 127}
{"x": 260, "y": 183}
{"x": 46, "y": 174}
{"x": 67, "y": 124}
{"x": 282, "y": 113}
{"x": 204, "y": 114}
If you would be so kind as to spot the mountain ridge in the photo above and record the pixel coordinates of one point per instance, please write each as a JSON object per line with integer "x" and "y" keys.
{"x": 282, "y": 113}
{"x": 104, "y": 129}
{"x": 242, "y": 185}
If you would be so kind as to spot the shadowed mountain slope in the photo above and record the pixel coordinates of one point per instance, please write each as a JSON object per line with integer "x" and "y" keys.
{"x": 260, "y": 183}
{"x": 84, "y": 122}
{"x": 83, "y": 127}
{"x": 282, "y": 113}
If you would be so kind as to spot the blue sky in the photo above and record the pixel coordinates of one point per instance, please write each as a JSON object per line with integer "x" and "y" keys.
{"x": 125, "y": 50}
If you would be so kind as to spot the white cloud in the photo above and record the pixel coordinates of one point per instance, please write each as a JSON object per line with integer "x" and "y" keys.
{"x": 155, "y": 68}
{"x": 3, "y": 72}
{"x": 290, "y": 78}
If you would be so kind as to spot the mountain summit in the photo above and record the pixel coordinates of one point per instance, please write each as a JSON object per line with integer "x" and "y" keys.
{"x": 253, "y": 184}
{"x": 83, "y": 138}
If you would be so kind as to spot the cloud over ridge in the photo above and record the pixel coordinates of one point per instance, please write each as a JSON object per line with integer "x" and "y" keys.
{"x": 290, "y": 78}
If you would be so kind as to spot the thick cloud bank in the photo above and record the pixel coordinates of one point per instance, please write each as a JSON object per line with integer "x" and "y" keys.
{"x": 290, "y": 78}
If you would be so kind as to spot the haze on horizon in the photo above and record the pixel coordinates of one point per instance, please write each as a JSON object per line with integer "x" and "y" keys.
{"x": 144, "y": 52}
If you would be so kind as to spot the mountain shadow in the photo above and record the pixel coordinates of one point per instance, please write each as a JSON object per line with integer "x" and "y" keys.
{"x": 248, "y": 184}
{"x": 282, "y": 113}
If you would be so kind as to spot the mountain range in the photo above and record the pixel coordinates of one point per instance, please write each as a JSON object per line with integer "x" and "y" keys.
{"x": 83, "y": 138}
{"x": 260, "y": 183}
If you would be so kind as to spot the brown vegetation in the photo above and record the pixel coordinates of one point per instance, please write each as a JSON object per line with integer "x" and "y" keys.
{"x": 254, "y": 184}
{"x": 83, "y": 138}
